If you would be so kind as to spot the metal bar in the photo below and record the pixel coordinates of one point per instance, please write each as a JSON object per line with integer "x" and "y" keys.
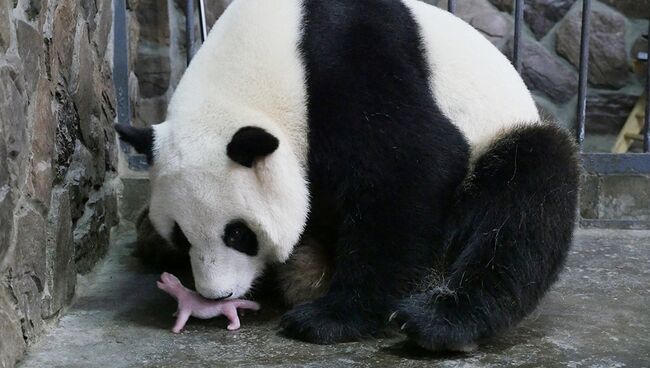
{"x": 121, "y": 66}
{"x": 616, "y": 163}
{"x": 451, "y": 6}
{"x": 189, "y": 29}
{"x": 614, "y": 224}
{"x": 204, "y": 23}
{"x": 646, "y": 141}
{"x": 519, "y": 22}
{"x": 584, "y": 72}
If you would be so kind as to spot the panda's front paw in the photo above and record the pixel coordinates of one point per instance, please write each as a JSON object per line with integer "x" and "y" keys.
{"x": 323, "y": 323}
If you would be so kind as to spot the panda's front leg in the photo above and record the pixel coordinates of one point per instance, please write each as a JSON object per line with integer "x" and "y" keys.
{"x": 376, "y": 252}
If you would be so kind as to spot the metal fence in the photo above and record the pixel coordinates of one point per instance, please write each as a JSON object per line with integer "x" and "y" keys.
{"x": 594, "y": 163}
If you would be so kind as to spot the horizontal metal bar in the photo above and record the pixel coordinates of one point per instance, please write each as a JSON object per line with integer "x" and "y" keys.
{"x": 614, "y": 224}
{"x": 610, "y": 163}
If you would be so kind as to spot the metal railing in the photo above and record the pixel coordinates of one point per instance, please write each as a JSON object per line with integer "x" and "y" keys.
{"x": 594, "y": 163}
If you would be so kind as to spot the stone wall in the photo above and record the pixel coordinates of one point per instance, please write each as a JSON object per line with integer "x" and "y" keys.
{"x": 550, "y": 55}
{"x": 57, "y": 158}
{"x": 157, "y": 53}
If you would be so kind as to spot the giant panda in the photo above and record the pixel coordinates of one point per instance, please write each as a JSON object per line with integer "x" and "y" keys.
{"x": 389, "y": 135}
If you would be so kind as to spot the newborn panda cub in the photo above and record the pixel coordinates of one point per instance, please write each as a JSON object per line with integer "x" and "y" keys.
{"x": 191, "y": 303}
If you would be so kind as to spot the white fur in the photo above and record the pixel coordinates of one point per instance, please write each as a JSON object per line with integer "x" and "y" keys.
{"x": 248, "y": 73}
{"x": 474, "y": 84}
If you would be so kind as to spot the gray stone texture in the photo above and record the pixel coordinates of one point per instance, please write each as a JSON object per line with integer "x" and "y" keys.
{"x": 545, "y": 73}
{"x": 542, "y": 15}
{"x": 616, "y": 198}
{"x": 56, "y": 115}
{"x": 631, "y": 8}
{"x": 608, "y": 57}
{"x": 609, "y": 110}
{"x": 594, "y": 316}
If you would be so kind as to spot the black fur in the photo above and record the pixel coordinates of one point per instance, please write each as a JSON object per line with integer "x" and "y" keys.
{"x": 141, "y": 139}
{"x": 507, "y": 237}
{"x": 382, "y": 157}
{"x": 179, "y": 239}
{"x": 251, "y": 143}
{"x": 156, "y": 252}
{"x": 241, "y": 238}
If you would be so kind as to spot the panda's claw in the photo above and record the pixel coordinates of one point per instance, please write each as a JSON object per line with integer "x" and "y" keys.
{"x": 392, "y": 317}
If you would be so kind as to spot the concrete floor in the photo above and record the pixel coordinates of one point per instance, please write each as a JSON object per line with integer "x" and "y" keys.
{"x": 598, "y": 315}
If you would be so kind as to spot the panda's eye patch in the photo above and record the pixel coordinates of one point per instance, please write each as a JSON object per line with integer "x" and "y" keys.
{"x": 240, "y": 238}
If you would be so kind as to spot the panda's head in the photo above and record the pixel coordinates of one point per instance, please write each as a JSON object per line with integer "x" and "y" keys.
{"x": 234, "y": 194}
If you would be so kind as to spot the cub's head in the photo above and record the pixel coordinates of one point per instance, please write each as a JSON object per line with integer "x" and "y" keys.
{"x": 235, "y": 195}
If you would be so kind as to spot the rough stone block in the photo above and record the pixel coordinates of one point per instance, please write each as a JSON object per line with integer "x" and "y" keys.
{"x": 542, "y": 15}
{"x": 67, "y": 133}
{"x": 13, "y": 118}
{"x": 624, "y": 197}
{"x": 543, "y": 72}
{"x": 61, "y": 275}
{"x": 134, "y": 196}
{"x": 631, "y": 8}
{"x": 30, "y": 49}
{"x": 589, "y": 190}
{"x": 607, "y": 111}
{"x": 28, "y": 276}
{"x": 101, "y": 35}
{"x": 92, "y": 230}
{"x": 608, "y": 64}
{"x": 42, "y": 143}
{"x": 5, "y": 28}
{"x": 62, "y": 44}
{"x": 153, "y": 69}
{"x": 12, "y": 344}
{"x": 82, "y": 89}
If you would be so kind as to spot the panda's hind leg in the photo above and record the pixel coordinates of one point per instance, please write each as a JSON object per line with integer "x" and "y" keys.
{"x": 506, "y": 241}
{"x": 307, "y": 274}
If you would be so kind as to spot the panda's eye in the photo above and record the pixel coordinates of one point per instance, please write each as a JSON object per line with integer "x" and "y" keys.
{"x": 239, "y": 237}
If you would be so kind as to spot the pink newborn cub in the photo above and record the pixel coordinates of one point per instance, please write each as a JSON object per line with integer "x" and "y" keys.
{"x": 191, "y": 303}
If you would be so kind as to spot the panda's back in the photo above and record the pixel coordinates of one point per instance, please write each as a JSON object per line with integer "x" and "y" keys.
{"x": 295, "y": 59}
{"x": 475, "y": 85}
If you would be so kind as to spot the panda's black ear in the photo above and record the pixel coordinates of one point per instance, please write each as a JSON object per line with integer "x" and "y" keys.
{"x": 251, "y": 143}
{"x": 139, "y": 138}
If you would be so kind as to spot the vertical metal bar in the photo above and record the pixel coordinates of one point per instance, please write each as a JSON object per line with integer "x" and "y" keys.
{"x": 646, "y": 139}
{"x": 451, "y": 6}
{"x": 189, "y": 29}
{"x": 519, "y": 22}
{"x": 121, "y": 66}
{"x": 584, "y": 72}
{"x": 204, "y": 23}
